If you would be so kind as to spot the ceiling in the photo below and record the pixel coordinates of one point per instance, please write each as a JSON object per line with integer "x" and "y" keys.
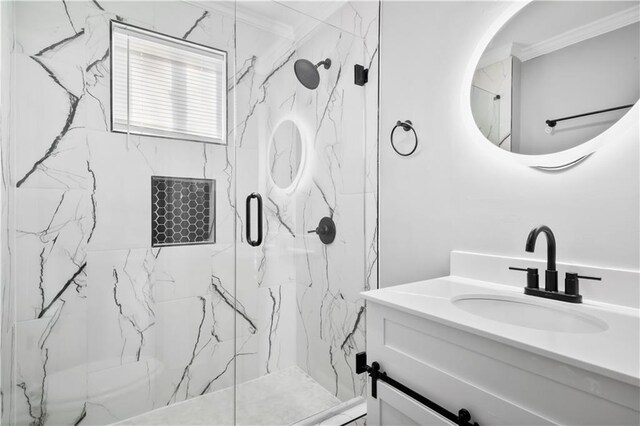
{"x": 288, "y": 19}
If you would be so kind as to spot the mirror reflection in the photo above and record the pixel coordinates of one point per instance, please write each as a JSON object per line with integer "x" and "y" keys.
{"x": 285, "y": 154}
{"x": 557, "y": 75}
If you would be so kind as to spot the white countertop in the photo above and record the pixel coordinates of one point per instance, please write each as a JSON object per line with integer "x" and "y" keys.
{"x": 614, "y": 352}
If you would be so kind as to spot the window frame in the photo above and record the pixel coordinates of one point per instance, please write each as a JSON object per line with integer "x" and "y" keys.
{"x": 140, "y": 131}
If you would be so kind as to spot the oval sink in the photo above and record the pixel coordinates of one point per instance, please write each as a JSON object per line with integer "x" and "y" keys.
{"x": 530, "y": 315}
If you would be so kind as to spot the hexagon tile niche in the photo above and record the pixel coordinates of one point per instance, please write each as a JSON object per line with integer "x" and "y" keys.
{"x": 182, "y": 211}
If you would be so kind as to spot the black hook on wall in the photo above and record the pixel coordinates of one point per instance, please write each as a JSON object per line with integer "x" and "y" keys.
{"x": 406, "y": 125}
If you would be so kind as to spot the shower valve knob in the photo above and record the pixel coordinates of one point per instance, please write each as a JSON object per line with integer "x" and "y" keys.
{"x": 326, "y": 230}
{"x": 320, "y": 231}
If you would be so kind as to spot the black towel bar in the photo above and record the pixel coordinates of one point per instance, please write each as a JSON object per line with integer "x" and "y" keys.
{"x": 552, "y": 123}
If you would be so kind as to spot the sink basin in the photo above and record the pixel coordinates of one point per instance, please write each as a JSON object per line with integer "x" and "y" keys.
{"x": 514, "y": 311}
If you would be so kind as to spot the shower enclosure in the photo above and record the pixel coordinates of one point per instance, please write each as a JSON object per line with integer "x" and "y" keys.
{"x": 211, "y": 253}
{"x": 486, "y": 113}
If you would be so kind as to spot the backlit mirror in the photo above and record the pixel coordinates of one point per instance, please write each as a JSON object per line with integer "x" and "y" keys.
{"x": 285, "y": 154}
{"x": 558, "y": 74}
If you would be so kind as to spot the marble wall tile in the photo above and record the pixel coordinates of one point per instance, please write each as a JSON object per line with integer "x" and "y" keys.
{"x": 276, "y": 257}
{"x": 51, "y": 355}
{"x": 176, "y": 316}
{"x": 195, "y": 358}
{"x": 369, "y": 11}
{"x": 149, "y": 327}
{"x": 188, "y": 335}
{"x": 245, "y": 181}
{"x": 172, "y": 279}
{"x": 277, "y": 335}
{"x": 332, "y": 365}
{"x": 122, "y": 211}
{"x": 52, "y": 228}
{"x": 331, "y": 312}
{"x": 50, "y": 138}
{"x": 139, "y": 158}
{"x": 44, "y": 23}
{"x": 242, "y": 293}
{"x": 121, "y": 325}
{"x": 371, "y": 240}
{"x": 120, "y": 392}
{"x": 329, "y": 278}
{"x": 7, "y": 229}
{"x": 82, "y": 234}
{"x": 494, "y": 115}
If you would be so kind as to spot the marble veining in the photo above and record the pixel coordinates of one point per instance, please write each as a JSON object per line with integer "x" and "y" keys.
{"x": 104, "y": 326}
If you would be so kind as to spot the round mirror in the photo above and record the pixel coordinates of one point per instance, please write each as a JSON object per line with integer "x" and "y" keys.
{"x": 558, "y": 74}
{"x": 285, "y": 154}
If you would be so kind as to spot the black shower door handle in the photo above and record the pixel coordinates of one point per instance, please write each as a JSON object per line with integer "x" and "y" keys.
{"x": 258, "y": 241}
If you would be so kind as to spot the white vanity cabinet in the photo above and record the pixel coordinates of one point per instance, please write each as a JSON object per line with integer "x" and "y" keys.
{"x": 498, "y": 382}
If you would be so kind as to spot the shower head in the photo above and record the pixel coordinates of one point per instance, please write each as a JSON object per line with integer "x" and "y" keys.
{"x": 307, "y": 73}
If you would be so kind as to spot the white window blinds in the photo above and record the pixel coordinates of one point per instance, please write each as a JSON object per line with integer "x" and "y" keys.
{"x": 161, "y": 86}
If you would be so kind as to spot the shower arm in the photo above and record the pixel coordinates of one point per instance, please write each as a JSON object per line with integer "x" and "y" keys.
{"x": 326, "y": 63}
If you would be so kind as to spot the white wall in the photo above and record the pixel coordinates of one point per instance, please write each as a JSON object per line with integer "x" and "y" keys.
{"x": 598, "y": 73}
{"x": 459, "y": 191}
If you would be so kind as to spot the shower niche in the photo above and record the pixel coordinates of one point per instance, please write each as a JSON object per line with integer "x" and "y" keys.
{"x": 182, "y": 211}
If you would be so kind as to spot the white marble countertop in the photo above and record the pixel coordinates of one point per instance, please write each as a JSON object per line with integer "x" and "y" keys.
{"x": 614, "y": 352}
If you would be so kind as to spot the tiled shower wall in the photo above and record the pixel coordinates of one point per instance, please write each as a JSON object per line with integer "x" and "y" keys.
{"x": 107, "y": 327}
{"x": 315, "y": 288}
{"x": 497, "y": 79}
{"x": 98, "y": 326}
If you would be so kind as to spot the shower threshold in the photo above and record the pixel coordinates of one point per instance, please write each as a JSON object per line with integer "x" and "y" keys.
{"x": 352, "y": 412}
{"x": 280, "y": 398}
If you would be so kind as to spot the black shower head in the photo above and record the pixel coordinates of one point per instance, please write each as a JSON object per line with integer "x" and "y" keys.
{"x": 307, "y": 73}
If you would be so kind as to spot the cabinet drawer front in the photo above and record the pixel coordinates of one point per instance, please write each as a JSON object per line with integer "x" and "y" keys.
{"x": 393, "y": 408}
{"x": 449, "y": 392}
{"x": 458, "y": 370}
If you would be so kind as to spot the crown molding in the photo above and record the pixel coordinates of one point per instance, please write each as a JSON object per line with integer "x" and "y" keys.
{"x": 576, "y": 35}
{"x": 585, "y": 32}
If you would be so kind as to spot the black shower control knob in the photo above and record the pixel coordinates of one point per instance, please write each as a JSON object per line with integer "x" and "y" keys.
{"x": 320, "y": 230}
{"x": 326, "y": 230}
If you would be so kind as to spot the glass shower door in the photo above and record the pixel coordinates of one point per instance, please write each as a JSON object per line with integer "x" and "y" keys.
{"x": 486, "y": 112}
{"x": 306, "y": 207}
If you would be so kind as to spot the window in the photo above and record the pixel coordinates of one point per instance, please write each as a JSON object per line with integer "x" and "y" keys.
{"x": 167, "y": 87}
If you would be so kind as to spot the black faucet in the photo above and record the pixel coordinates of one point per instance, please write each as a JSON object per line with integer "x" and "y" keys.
{"x": 550, "y": 275}
{"x": 571, "y": 288}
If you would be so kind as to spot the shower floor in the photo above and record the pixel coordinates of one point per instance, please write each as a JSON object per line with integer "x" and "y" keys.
{"x": 280, "y": 398}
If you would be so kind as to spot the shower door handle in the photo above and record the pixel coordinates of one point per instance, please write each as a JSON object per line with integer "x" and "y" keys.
{"x": 257, "y": 241}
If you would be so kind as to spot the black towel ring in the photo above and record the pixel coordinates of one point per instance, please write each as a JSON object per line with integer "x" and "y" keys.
{"x": 406, "y": 126}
